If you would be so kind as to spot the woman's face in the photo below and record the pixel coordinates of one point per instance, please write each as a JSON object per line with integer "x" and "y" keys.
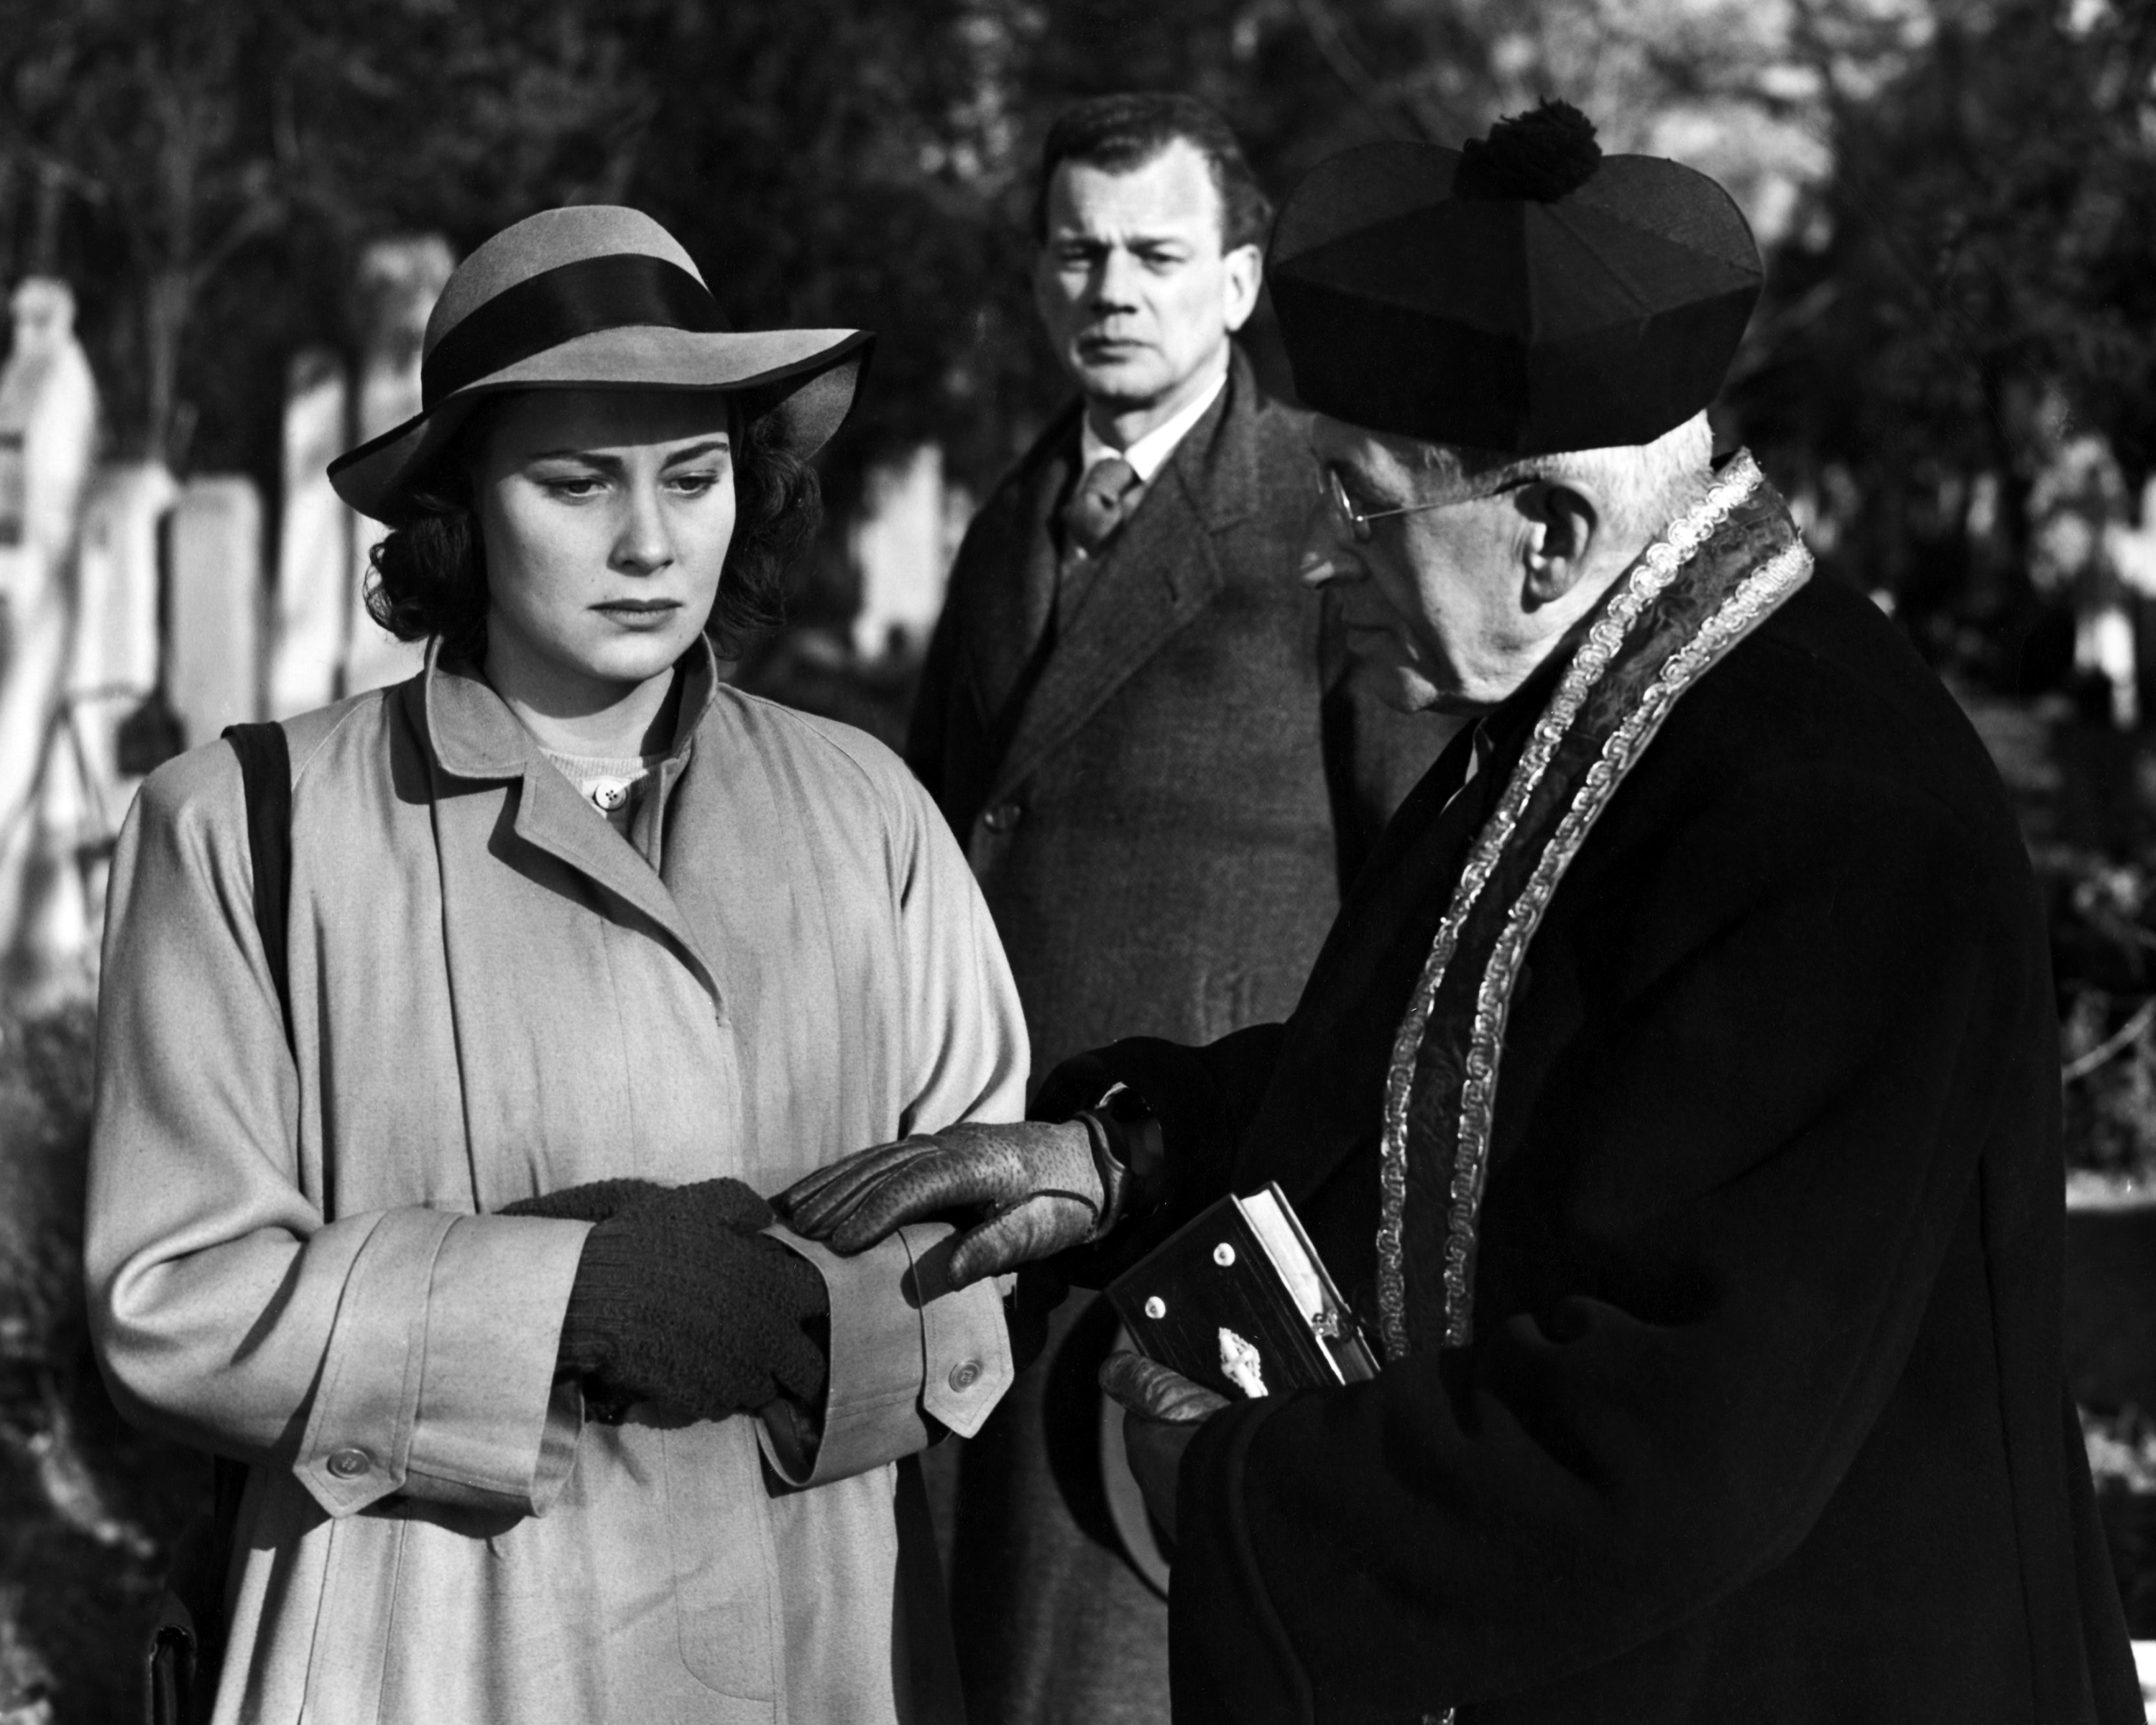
{"x": 606, "y": 516}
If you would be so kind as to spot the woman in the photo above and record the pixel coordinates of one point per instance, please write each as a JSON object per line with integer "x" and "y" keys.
{"x": 586, "y": 950}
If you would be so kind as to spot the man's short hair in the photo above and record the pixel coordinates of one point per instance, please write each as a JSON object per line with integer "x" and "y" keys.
{"x": 1122, "y": 132}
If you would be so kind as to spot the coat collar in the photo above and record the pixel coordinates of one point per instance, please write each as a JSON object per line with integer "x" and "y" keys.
{"x": 1008, "y": 608}
{"x": 1160, "y": 571}
{"x": 474, "y": 734}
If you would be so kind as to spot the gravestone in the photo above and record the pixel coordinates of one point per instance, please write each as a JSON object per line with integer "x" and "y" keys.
{"x": 399, "y": 281}
{"x": 116, "y": 644}
{"x": 214, "y": 606}
{"x": 114, "y": 670}
{"x": 902, "y": 543}
{"x": 2132, "y": 548}
{"x": 2076, "y": 498}
{"x": 314, "y": 538}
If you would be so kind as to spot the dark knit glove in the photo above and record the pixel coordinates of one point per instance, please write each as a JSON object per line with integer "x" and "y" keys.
{"x": 679, "y": 1299}
{"x": 592, "y": 1202}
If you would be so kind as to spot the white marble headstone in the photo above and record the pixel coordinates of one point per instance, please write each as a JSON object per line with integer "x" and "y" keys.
{"x": 902, "y": 543}
{"x": 115, "y": 666}
{"x": 315, "y": 532}
{"x": 214, "y": 604}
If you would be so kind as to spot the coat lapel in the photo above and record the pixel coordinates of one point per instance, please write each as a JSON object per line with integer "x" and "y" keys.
{"x": 1008, "y": 616}
{"x": 553, "y": 817}
{"x": 476, "y": 735}
{"x": 1160, "y": 571}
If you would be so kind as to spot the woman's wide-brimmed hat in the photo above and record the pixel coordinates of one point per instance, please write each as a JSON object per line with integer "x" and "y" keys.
{"x": 595, "y": 296}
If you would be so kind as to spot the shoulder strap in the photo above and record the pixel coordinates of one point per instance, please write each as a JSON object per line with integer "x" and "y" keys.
{"x": 265, "y": 769}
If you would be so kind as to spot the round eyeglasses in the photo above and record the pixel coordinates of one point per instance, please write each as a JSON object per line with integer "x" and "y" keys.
{"x": 1355, "y": 521}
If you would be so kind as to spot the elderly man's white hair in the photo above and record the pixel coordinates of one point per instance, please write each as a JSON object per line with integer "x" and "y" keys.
{"x": 1641, "y": 486}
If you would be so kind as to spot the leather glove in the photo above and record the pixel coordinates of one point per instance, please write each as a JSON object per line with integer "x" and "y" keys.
{"x": 592, "y": 1202}
{"x": 1041, "y": 1184}
{"x": 1153, "y": 1391}
{"x": 678, "y": 1299}
{"x": 1161, "y": 1412}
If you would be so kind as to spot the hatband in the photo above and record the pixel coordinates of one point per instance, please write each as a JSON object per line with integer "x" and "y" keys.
{"x": 557, "y": 305}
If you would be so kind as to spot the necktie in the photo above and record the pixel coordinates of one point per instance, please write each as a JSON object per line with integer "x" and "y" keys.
{"x": 1108, "y": 492}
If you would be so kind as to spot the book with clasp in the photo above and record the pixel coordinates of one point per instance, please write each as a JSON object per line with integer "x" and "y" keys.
{"x": 1238, "y": 1301}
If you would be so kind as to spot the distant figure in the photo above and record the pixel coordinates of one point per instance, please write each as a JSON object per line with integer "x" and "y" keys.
{"x": 49, "y": 409}
{"x": 1136, "y": 720}
{"x": 48, "y": 419}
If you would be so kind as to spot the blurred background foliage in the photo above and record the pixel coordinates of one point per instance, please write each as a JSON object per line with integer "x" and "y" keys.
{"x": 1953, "y": 375}
{"x": 1949, "y": 189}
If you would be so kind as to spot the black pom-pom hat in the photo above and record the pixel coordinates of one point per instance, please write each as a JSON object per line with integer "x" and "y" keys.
{"x": 1527, "y": 295}
{"x": 595, "y": 296}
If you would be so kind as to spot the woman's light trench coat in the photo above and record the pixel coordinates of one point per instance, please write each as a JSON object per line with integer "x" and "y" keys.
{"x": 294, "y": 1261}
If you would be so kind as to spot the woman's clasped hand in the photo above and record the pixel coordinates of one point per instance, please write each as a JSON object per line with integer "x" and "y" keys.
{"x": 680, "y": 1298}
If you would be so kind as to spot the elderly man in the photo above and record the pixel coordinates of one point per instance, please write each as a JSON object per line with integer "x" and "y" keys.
{"x": 1676, "y": 1095}
{"x": 1140, "y": 728}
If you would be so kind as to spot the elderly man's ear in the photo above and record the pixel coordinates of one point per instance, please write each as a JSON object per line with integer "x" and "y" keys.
{"x": 1564, "y": 530}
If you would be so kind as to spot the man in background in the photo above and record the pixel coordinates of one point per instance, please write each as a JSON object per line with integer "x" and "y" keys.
{"x": 1138, "y": 723}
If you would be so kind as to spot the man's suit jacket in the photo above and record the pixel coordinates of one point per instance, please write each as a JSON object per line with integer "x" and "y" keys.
{"x": 1163, "y": 799}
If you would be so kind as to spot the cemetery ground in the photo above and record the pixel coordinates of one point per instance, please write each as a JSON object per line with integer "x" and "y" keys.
{"x": 90, "y": 1508}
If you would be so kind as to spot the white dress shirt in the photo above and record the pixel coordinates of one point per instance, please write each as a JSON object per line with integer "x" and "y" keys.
{"x": 1150, "y": 453}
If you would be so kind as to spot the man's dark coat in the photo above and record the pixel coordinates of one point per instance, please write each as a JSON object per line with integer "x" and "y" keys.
{"x": 1763, "y": 1419}
{"x": 1161, "y": 797}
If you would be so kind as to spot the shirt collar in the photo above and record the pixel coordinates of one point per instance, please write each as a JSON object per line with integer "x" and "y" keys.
{"x": 1150, "y": 453}
{"x": 475, "y": 735}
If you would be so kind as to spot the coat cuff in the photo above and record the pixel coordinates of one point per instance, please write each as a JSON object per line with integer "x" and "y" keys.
{"x": 439, "y": 1377}
{"x": 910, "y": 1355}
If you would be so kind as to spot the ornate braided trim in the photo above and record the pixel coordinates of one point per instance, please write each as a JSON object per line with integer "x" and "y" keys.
{"x": 1656, "y": 569}
{"x": 1760, "y": 592}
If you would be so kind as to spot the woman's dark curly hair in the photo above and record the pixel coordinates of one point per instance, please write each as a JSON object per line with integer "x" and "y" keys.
{"x": 428, "y": 575}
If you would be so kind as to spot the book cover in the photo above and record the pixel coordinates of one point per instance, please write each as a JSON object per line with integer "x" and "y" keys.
{"x": 1238, "y": 1301}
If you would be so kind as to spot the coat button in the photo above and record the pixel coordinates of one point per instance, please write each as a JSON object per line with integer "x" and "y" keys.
{"x": 965, "y": 1375}
{"x": 1002, "y": 818}
{"x": 349, "y": 1464}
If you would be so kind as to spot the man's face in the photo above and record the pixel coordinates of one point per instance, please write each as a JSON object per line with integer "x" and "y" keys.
{"x": 1136, "y": 293}
{"x": 1433, "y": 601}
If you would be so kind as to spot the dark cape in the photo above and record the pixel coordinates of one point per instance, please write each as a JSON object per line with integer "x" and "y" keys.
{"x": 1704, "y": 1068}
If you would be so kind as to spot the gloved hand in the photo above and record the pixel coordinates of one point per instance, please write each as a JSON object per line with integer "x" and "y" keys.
{"x": 1161, "y": 1412}
{"x": 592, "y": 1202}
{"x": 678, "y": 1299}
{"x": 1039, "y": 1183}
